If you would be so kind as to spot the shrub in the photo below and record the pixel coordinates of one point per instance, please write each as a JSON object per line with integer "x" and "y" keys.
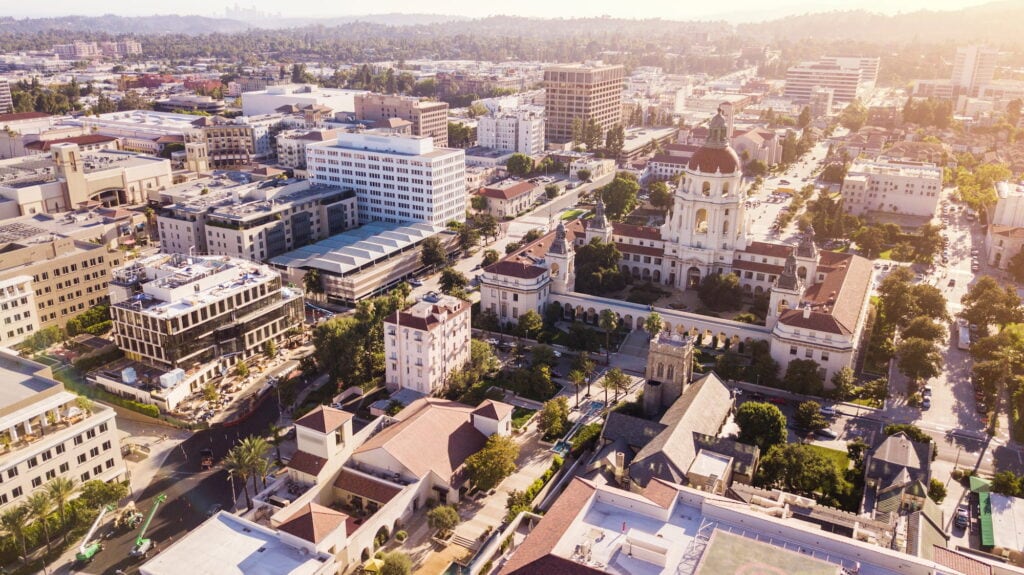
{"x": 401, "y": 536}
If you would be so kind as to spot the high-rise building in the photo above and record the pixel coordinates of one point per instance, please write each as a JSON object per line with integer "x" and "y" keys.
{"x": 520, "y": 130}
{"x": 396, "y": 178}
{"x": 199, "y": 314}
{"x": 973, "y": 66}
{"x": 77, "y": 51}
{"x": 867, "y": 66}
{"x": 425, "y": 343}
{"x": 849, "y": 78}
{"x": 48, "y": 434}
{"x": 6, "y": 102}
{"x": 582, "y": 92}
{"x": 428, "y": 118}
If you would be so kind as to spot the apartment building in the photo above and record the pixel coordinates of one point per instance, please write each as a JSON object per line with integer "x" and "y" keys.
{"x": 268, "y": 99}
{"x": 65, "y": 275}
{"x": 973, "y": 67}
{"x": 903, "y": 187}
{"x": 867, "y": 66}
{"x": 396, "y": 178}
{"x": 199, "y": 314}
{"x": 582, "y": 92}
{"x": 508, "y": 198}
{"x": 519, "y": 130}
{"x": 46, "y": 433}
{"x": 6, "y": 102}
{"x": 236, "y": 142}
{"x": 120, "y": 48}
{"x": 848, "y": 78}
{"x": 291, "y": 146}
{"x": 428, "y": 118}
{"x": 425, "y": 343}
{"x": 77, "y": 51}
{"x": 254, "y": 221}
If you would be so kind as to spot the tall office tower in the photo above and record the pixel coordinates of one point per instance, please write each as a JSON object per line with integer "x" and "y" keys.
{"x": 584, "y": 92}
{"x": 6, "y": 102}
{"x": 973, "y": 66}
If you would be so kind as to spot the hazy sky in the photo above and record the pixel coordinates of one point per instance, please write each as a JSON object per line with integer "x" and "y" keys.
{"x": 735, "y": 10}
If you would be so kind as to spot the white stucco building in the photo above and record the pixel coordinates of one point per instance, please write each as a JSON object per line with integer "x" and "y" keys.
{"x": 517, "y": 130}
{"x": 895, "y": 186}
{"x": 425, "y": 343}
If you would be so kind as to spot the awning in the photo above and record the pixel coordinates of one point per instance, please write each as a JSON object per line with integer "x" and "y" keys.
{"x": 979, "y": 485}
{"x": 988, "y": 538}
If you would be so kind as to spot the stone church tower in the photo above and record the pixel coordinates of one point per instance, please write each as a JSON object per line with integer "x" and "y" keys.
{"x": 669, "y": 368}
{"x": 561, "y": 262}
{"x": 707, "y": 224}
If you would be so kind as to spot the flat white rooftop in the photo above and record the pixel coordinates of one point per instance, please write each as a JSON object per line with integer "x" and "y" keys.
{"x": 228, "y": 545}
{"x": 20, "y": 382}
{"x": 351, "y": 250}
{"x": 1007, "y": 521}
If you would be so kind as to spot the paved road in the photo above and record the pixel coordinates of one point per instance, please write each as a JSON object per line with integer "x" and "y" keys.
{"x": 190, "y": 491}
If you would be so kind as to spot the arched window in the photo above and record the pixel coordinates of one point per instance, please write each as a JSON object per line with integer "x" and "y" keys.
{"x": 725, "y": 227}
{"x": 705, "y": 188}
{"x": 801, "y": 272}
{"x": 700, "y": 222}
{"x": 671, "y": 372}
{"x": 725, "y": 189}
{"x": 661, "y": 369}
{"x": 782, "y": 305}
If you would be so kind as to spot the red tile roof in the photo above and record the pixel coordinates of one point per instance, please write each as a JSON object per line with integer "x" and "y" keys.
{"x": 324, "y": 419}
{"x": 661, "y": 492}
{"x": 313, "y": 523}
{"x": 767, "y": 249}
{"x": 21, "y": 116}
{"x": 493, "y": 410}
{"x": 631, "y": 231}
{"x": 1007, "y": 231}
{"x": 366, "y": 487}
{"x": 522, "y": 263}
{"x": 666, "y": 159}
{"x": 756, "y": 266}
{"x": 307, "y": 463}
{"x": 515, "y": 269}
{"x": 642, "y": 250}
{"x": 429, "y": 321}
{"x": 959, "y": 562}
{"x": 88, "y": 140}
{"x": 838, "y": 300}
{"x": 530, "y": 557}
{"x": 709, "y": 160}
{"x": 508, "y": 192}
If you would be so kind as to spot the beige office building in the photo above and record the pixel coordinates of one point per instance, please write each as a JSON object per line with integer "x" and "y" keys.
{"x": 49, "y": 435}
{"x": 584, "y": 92}
{"x": 428, "y": 118}
{"x": 426, "y": 342}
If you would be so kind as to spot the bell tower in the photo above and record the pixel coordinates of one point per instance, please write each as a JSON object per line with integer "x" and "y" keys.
{"x": 786, "y": 292}
{"x": 599, "y": 226}
{"x": 561, "y": 262}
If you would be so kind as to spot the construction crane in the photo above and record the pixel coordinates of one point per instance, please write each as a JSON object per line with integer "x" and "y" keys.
{"x": 90, "y": 547}
{"x": 143, "y": 545}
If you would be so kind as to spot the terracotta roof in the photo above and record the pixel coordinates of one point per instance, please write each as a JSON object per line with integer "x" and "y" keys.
{"x": 709, "y": 160}
{"x": 324, "y": 419}
{"x": 554, "y": 565}
{"x": 491, "y": 409}
{"x": 515, "y": 269}
{"x": 631, "y": 231}
{"x": 170, "y": 139}
{"x": 545, "y": 536}
{"x": 508, "y": 192}
{"x": 319, "y": 135}
{"x": 756, "y": 266}
{"x": 452, "y": 439}
{"x": 661, "y": 492}
{"x": 313, "y": 522}
{"x": 20, "y": 116}
{"x": 642, "y": 250}
{"x": 307, "y": 463}
{"x": 839, "y": 296}
{"x": 45, "y": 145}
{"x": 959, "y": 562}
{"x": 767, "y": 249}
{"x": 366, "y": 486}
{"x": 429, "y": 321}
{"x": 666, "y": 159}
{"x": 523, "y": 263}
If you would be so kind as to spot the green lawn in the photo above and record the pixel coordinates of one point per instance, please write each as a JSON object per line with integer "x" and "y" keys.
{"x": 840, "y": 458}
{"x": 520, "y": 416}
{"x": 886, "y": 255}
{"x": 571, "y": 214}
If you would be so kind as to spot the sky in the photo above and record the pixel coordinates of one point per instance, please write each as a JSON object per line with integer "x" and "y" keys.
{"x": 738, "y": 10}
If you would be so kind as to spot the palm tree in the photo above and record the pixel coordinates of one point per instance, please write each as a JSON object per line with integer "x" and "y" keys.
{"x": 237, "y": 466}
{"x": 615, "y": 380}
{"x": 586, "y": 365}
{"x": 254, "y": 449}
{"x": 39, "y": 507}
{"x": 15, "y": 521}
{"x": 609, "y": 322}
{"x": 577, "y": 378}
{"x": 261, "y": 468}
{"x": 276, "y": 438}
{"x": 60, "y": 490}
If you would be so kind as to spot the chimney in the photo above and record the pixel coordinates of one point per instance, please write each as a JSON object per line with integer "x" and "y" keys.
{"x": 807, "y": 311}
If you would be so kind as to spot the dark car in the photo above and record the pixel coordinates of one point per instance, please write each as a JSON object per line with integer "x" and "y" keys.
{"x": 827, "y": 433}
{"x": 756, "y": 396}
{"x": 952, "y": 283}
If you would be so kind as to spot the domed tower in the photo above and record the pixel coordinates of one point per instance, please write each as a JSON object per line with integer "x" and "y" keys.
{"x": 708, "y": 220}
{"x": 561, "y": 262}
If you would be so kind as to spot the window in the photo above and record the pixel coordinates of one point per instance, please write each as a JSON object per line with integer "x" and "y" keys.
{"x": 792, "y": 350}
{"x": 46, "y": 455}
{"x": 85, "y": 477}
{"x": 106, "y": 445}
{"x": 12, "y": 473}
{"x": 64, "y": 467}
{"x": 97, "y": 470}
{"x": 59, "y": 449}
{"x": 809, "y": 353}
{"x": 79, "y": 440}
{"x": 16, "y": 493}
{"x": 32, "y": 462}
{"x": 94, "y": 452}
{"x": 824, "y": 356}
{"x": 37, "y": 481}
{"x": 109, "y": 463}
{"x": 81, "y": 458}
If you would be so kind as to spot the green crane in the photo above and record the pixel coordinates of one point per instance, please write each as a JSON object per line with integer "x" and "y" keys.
{"x": 143, "y": 545}
{"x": 89, "y": 547}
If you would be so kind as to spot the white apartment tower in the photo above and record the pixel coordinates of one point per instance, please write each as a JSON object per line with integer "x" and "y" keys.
{"x": 425, "y": 343}
{"x": 849, "y": 78}
{"x": 518, "y": 130}
{"x": 973, "y": 66}
{"x": 6, "y": 102}
{"x": 396, "y": 178}
{"x": 47, "y": 433}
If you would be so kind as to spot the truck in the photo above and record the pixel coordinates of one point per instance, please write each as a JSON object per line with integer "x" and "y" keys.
{"x": 964, "y": 337}
{"x": 90, "y": 547}
{"x": 143, "y": 545}
{"x": 206, "y": 458}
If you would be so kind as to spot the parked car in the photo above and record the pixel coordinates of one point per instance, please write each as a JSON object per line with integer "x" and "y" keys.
{"x": 926, "y": 403}
{"x": 415, "y": 282}
{"x": 827, "y": 433}
{"x": 777, "y": 400}
{"x": 828, "y": 411}
{"x": 926, "y": 391}
{"x": 963, "y": 517}
{"x": 952, "y": 283}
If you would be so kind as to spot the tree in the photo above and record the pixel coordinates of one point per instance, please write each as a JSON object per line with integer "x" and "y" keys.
{"x": 478, "y": 202}
{"x": 654, "y": 324}
{"x": 519, "y": 165}
{"x": 61, "y": 489}
{"x": 96, "y": 494}
{"x": 842, "y": 382}
{"x": 720, "y": 292}
{"x": 583, "y": 175}
{"x": 808, "y": 416}
{"x": 661, "y": 196}
{"x": 481, "y": 357}
{"x": 615, "y": 380}
{"x": 15, "y": 520}
{"x": 615, "y": 140}
{"x": 586, "y": 365}
{"x": 918, "y": 358}
{"x": 597, "y": 268}
{"x": 1015, "y": 266}
{"x": 805, "y": 118}
{"x": 553, "y": 420}
{"x": 578, "y": 380}
{"x": 834, "y": 173}
{"x": 913, "y": 432}
{"x": 551, "y": 191}
{"x": 238, "y": 467}
{"x": 270, "y": 349}
{"x": 1006, "y": 483}
{"x": 496, "y": 461}
{"x": 802, "y": 376}
{"x": 761, "y": 424}
{"x": 468, "y": 237}
{"x": 530, "y": 322}
{"x": 730, "y": 365}
{"x": 312, "y": 283}
{"x": 443, "y": 518}
{"x": 396, "y": 563}
{"x": 620, "y": 195}
{"x": 798, "y": 468}
{"x": 432, "y": 253}
{"x": 39, "y": 508}
{"x": 210, "y": 392}
{"x": 241, "y": 369}
{"x": 936, "y": 490}
{"x": 854, "y": 116}
{"x": 609, "y": 322}
{"x": 923, "y": 328}
{"x": 254, "y": 453}
{"x": 459, "y": 135}
{"x": 452, "y": 281}
{"x": 987, "y": 303}
{"x": 490, "y": 257}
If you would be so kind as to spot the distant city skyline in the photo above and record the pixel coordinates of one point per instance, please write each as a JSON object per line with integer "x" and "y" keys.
{"x": 739, "y": 10}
